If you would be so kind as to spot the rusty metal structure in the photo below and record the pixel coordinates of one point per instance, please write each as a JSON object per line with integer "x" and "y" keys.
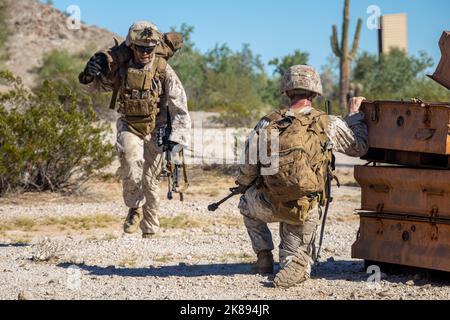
{"x": 414, "y": 126}
{"x": 418, "y": 192}
{"x": 411, "y": 241}
{"x": 405, "y": 202}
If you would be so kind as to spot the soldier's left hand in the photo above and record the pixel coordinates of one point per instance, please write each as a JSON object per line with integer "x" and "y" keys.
{"x": 240, "y": 189}
{"x": 355, "y": 104}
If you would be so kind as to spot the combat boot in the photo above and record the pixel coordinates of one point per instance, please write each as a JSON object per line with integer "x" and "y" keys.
{"x": 264, "y": 265}
{"x": 295, "y": 272}
{"x": 131, "y": 224}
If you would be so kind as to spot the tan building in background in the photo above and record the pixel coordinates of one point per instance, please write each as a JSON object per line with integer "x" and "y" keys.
{"x": 393, "y": 32}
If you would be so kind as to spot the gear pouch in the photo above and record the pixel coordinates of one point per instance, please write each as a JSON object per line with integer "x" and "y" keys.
{"x": 139, "y": 79}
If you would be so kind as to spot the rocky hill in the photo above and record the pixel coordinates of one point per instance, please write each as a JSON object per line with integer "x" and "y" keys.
{"x": 37, "y": 28}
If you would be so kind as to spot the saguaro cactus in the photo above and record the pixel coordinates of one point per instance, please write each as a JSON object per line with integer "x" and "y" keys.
{"x": 345, "y": 56}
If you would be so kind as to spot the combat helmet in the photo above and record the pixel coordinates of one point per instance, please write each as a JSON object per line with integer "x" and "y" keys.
{"x": 302, "y": 78}
{"x": 143, "y": 33}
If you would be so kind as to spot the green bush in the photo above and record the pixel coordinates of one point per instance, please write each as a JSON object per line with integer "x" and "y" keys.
{"x": 63, "y": 68}
{"x": 396, "y": 76}
{"x": 48, "y": 142}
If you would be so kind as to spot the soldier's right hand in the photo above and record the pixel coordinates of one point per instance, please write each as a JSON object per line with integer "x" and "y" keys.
{"x": 355, "y": 104}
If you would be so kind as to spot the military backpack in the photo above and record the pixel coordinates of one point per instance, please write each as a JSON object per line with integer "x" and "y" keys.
{"x": 305, "y": 159}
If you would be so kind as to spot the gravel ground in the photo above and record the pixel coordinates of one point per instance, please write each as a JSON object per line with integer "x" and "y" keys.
{"x": 211, "y": 261}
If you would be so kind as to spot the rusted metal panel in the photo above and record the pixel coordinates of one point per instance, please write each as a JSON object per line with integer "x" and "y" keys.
{"x": 408, "y": 126}
{"x": 442, "y": 74}
{"x": 410, "y": 242}
{"x": 423, "y": 192}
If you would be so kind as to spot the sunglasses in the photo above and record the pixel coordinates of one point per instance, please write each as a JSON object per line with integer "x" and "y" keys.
{"x": 143, "y": 49}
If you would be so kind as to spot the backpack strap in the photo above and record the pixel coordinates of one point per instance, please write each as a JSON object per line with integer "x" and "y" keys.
{"x": 115, "y": 93}
{"x": 161, "y": 67}
{"x": 121, "y": 75}
{"x": 276, "y": 116}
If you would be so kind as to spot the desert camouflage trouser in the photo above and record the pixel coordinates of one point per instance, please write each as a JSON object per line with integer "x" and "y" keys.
{"x": 257, "y": 212}
{"x": 140, "y": 170}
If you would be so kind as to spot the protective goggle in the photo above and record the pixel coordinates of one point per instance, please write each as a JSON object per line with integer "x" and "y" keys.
{"x": 144, "y": 49}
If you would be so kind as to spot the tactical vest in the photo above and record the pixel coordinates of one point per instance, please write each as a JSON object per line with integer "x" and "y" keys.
{"x": 305, "y": 158}
{"x": 138, "y": 96}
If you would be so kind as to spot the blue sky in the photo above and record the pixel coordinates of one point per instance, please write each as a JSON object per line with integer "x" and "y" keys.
{"x": 272, "y": 28}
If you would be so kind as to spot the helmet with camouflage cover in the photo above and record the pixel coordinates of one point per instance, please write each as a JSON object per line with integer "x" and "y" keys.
{"x": 143, "y": 33}
{"x": 303, "y": 79}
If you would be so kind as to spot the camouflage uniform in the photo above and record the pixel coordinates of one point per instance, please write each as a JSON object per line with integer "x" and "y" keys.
{"x": 141, "y": 158}
{"x": 348, "y": 136}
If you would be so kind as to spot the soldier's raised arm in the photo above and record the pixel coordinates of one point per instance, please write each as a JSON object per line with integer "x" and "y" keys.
{"x": 98, "y": 76}
{"x": 350, "y": 135}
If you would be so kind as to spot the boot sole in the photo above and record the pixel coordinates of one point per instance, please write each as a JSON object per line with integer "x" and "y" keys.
{"x": 131, "y": 230}
{"x": 294, "y": 273}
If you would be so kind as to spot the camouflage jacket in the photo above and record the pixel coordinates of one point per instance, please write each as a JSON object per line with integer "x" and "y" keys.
{"x": 348, "y": 136}
{"x": 173, "y": 98}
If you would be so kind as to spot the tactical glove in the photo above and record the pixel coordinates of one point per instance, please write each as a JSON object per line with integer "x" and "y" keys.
{"x": 240, "y": 189}
{"x": 96, "y": 66}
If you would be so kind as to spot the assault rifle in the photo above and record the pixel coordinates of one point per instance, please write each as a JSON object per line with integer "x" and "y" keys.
{"x": 234, "y": 192}
{"x": 174, "y": 164}
{"x": 329, "y": 199}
